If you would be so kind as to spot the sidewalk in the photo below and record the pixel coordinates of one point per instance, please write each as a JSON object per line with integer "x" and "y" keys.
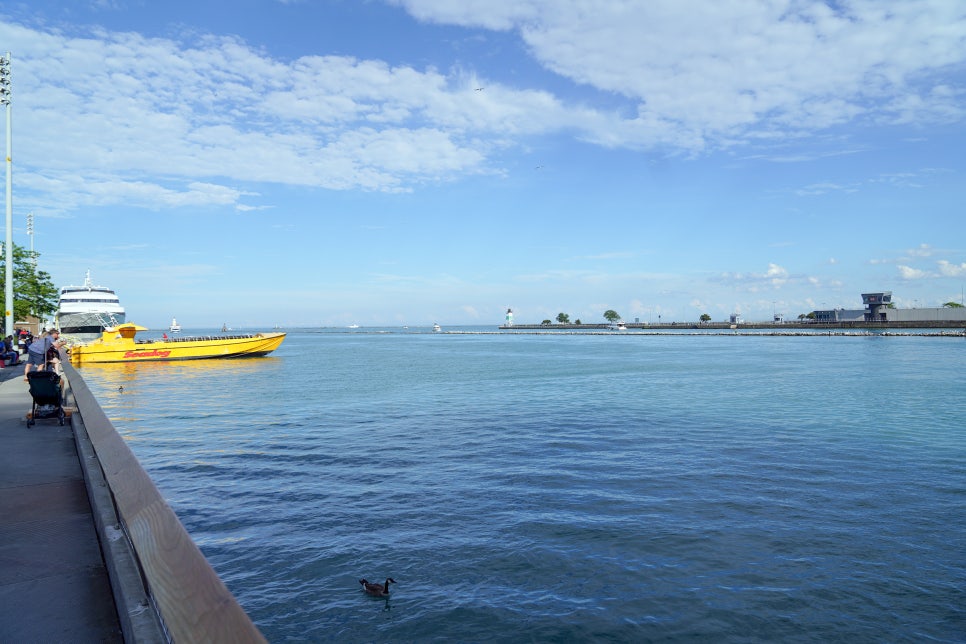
{"x": 53, "y": 582}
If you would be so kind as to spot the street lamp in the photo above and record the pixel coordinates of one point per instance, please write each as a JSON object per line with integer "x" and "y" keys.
{"x": 5, "y": 89}
{"x": 30, "y": 232}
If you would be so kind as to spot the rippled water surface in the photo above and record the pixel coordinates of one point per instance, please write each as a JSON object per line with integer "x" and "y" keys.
{"x": 570, "y": 488}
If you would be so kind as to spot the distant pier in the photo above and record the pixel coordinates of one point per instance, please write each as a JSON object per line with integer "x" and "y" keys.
{"x": 749, "y": 326}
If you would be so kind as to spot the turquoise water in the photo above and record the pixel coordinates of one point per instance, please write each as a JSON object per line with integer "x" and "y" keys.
{"x": 570, "y": 488}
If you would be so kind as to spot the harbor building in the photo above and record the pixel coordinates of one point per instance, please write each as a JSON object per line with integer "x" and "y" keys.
{"x": 878, "y": 308}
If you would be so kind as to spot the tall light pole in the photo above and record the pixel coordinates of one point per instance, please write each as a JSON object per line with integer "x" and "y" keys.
{"x": 8, "y": 247}
{"x": 30, "y": 231}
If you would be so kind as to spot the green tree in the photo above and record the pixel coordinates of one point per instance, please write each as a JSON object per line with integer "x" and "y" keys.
{"x": 952, "y": 305}
{"x": 705, "y": 317}
{"x": 578, "y": 322}
{"x": 546, "y": 322}
{"x": 33, "y": 291}
{"x": 611, "y": 315}
{"x": 563, "y": 318}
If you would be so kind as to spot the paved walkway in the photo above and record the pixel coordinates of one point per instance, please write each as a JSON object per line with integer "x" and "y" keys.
{"x": 53, "y": 582}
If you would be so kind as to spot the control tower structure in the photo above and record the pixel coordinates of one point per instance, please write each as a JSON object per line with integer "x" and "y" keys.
{"x": 876, "y": 305}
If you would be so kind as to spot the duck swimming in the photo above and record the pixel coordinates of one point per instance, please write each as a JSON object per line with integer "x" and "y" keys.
{"x": 377, "y": 590}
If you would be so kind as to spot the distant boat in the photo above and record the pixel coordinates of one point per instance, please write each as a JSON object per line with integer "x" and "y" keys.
{"x": 175, "y": 327}
{"x": 437, "y": 328}
{"x": 353, "y": 326}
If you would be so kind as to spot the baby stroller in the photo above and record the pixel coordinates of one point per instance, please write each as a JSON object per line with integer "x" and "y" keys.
{"x": 45, "y": 390}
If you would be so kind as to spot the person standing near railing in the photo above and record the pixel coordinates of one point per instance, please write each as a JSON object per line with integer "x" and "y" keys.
{"x": 37, "y": 351}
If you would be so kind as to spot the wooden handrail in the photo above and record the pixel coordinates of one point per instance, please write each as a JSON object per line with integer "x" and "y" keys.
{"x": 194, "y": 604}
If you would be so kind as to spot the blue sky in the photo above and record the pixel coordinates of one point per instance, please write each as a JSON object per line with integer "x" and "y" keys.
{"x": 416, "y": 161}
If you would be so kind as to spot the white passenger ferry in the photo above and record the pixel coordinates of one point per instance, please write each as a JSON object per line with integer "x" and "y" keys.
{"x": 88, "y": 309}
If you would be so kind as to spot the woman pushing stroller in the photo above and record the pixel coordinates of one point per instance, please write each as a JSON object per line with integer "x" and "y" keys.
{"x": 38, "y": 349}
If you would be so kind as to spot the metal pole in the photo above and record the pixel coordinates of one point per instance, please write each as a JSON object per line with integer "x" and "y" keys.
{"x": 30, "y": 233}
{"x": 5, "y": 98}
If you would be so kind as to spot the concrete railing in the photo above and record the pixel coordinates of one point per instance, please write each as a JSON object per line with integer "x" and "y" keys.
{"x": 157, "y": 571}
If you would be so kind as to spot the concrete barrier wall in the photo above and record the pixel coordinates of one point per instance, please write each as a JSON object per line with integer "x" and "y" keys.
{"x": 191, "y": 600}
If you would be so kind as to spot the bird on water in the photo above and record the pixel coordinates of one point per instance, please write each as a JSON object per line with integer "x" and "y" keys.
{"x": 377, "y": 590}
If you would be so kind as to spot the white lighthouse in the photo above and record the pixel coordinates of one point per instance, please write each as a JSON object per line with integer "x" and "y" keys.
{"x": 509, "y": 317}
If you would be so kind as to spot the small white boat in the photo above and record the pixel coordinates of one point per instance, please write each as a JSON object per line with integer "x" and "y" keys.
{"x": 175, "y": 327}
{"x": 353, "y": 326}
{"x": 437, "y": 328}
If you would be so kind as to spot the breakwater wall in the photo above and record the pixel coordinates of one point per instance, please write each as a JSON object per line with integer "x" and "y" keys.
{"x": 164, "y": 587}
{"x": 751, "y": 326}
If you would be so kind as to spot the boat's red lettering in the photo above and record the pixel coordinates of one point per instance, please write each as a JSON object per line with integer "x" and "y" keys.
{"x": 154, "y": 353}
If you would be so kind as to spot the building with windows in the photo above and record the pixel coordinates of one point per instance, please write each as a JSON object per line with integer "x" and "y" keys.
{"x": 833, "y": 316}
{"x": 879, "y": 308}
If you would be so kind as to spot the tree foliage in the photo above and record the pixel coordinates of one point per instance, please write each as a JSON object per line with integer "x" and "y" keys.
{"x": 563, "y": 318}
{"x": 952, "y": 305}
{"x": 611, "y": 315}
{"x": 705, "y": 317}
{"x": 33, "y": 291}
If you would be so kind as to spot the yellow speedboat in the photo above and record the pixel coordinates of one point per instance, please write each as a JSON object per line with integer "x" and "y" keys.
{"x": 117, "y": 344}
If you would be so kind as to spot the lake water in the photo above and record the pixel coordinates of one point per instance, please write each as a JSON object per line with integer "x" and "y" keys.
{"x": 542, "y": 487}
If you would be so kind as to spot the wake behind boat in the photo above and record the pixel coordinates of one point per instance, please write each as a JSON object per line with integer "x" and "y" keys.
{"x": 117, "y": 344}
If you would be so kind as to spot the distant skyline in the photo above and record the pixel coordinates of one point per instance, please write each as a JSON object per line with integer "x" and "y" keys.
{"x": 405, "y": 162}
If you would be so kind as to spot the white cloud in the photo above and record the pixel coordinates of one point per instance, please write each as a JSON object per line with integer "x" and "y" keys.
{"x": 824, "y": 188}
{"x": 951, "y": 270}
{"x": 686, "y": 77}
{"x": 489, "y": 14}
{"x": 776, "y": 272}
{"x": 922, "y": 250}
{"x": 909, "y": 273}
{"x": 775, "y": 277}
{"x": 130, "y": 108}
{"x": 710, "y": 72}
